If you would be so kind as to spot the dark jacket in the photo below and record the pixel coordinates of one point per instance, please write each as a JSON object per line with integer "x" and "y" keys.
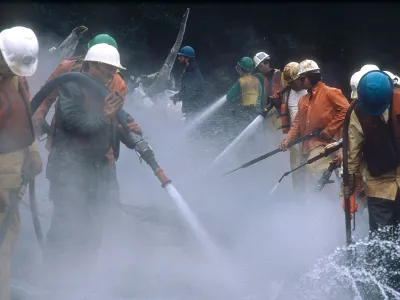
{"x": 193, "y": 89}
{"x": 82, "y": 138}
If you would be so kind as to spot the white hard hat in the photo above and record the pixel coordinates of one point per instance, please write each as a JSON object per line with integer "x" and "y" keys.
{"x": 354, "y": 80}
{"x": 368, "y": 68}
{"x": 20, "y": 48}
{"x": 259, "y": 57}
{"x": 308, "y": 65}
{"x": 105, "y": 54}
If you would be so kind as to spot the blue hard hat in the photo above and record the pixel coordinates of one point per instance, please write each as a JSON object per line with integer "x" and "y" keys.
{"x": 375, "y": 92}
{"x": 187, "y": 51}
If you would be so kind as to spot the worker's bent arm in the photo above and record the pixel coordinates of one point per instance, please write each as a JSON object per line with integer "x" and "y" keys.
{"x": 294, "y": 131}
{"x": 356, "y": 140}
{"x": 44, "y": 108}
{"x": 74, "y": 116}
{"x": 234, "y": 93}
{"x": 340, "y": 105}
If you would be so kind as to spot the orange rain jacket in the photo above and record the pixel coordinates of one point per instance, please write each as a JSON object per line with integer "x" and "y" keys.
{"x": 323, "y": 108}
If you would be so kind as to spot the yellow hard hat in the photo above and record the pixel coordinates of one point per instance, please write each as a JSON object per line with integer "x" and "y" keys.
{"x": 290, "y": 72}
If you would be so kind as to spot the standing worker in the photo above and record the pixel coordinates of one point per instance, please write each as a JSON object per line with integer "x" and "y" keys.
{"x": 289, "y": 107}
{"x": 322, "y": 108}
{"x": 115, "y": 84}
{"x": 19, "y": 156}
{"x": 374, "y": 156}
{"x": 247, "y": 91}
{"x": 74, "y": 64}
{"x": 79, "y": 169}
{"x": 192, "y": 90}
{"x": 271, "y": 82}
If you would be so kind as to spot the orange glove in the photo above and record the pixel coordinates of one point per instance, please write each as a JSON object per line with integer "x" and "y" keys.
{"x": 353, "y": 204}
{"x": 357, "y": 190}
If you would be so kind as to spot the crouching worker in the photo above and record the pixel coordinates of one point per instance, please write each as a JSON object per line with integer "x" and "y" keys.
{"x": 80, "y": 169}
{"x": 19, "y": 157}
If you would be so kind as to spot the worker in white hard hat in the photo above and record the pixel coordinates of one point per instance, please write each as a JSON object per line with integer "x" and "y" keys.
{"x": 78, "y": 168}
{"x": 19, "y": 157}
{"x": 323, "y": 108}
{"x": 74, "y": 64}
{"x": 271, "y": 83}
{"x": 355, "y": 78}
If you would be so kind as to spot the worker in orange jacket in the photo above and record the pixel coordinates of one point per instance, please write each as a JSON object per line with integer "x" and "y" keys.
{"x": 322, "y": 108}
{"x": 74, "y": 64}
{"x": 19, "y": 156}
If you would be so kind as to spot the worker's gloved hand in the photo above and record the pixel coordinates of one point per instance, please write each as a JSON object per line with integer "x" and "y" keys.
{"x": 355, "y": 186}
{"x": 324, "y": 135}
{"x": 112, "y": 103}
{"x": 284, "y": 145}
{"x": 41, "y": 127}
{"x": 276, "y": 102}
{"x": 338, "y": 159}
{"x": 276, "y": 95}
{"x": 33, "y": 165}
{"x": 133, "y": 126}
{"x": 353, "y": 204}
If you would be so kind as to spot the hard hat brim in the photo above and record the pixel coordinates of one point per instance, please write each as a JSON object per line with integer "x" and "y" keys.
{"x": 376, "y": 111}
{"x": 107, "y": 63}
{"x": 24, "y": 70}
{"x": 185, "y": 55}
{"x": 310, "y": 71}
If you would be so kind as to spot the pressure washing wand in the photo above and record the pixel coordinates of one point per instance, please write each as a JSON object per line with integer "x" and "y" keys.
{"x": 273, "y": 152}
{"x": 329, "y": 149}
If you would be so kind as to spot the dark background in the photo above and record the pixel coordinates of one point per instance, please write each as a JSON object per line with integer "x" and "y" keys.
{"x": 341, "y": 37}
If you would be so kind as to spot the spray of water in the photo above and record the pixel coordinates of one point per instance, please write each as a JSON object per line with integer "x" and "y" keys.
{"x": 247, "y": 132}
{"x": 202, "y": 116}
{"x": 273, "y": 189}
{"x": 192, "y": 221}
{"x": 208, "y": 245}
{"x": 349, "y": 273}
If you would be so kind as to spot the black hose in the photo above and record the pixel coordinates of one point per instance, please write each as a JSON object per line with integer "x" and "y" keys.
{"x": 141, "y": 146}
